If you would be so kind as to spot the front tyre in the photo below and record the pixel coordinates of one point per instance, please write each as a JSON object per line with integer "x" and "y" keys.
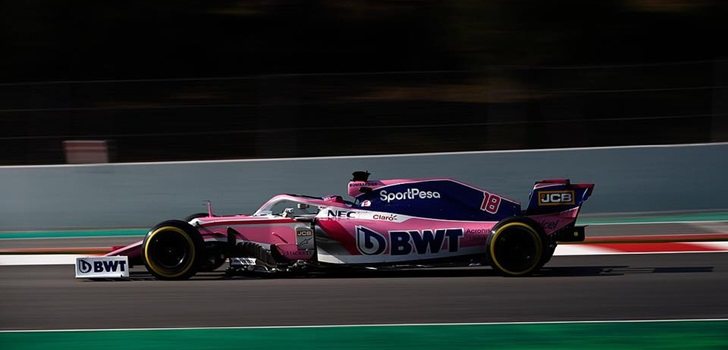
{"x": 516, "y": 247}
{"x": 172, "y": 250}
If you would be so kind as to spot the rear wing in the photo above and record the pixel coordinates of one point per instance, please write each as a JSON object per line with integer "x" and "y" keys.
{"x": 557, "y": 195}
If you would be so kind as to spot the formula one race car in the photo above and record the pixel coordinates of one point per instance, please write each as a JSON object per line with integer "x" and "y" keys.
{"x": 391, "y": 223}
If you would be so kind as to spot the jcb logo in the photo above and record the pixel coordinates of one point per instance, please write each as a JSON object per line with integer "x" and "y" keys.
{"x": 304, "y": 232}
{"x": 556, "y": 198}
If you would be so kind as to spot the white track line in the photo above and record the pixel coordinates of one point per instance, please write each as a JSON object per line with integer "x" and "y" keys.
{"x": 581, "y": 249}
{"x": 38, "y": 259}
{"x": 368, "y": 325}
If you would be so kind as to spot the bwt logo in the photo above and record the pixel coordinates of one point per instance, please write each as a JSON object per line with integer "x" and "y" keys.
{"x": 411, "y": 193}
{"x": 556, "y": 197}
{"x": 370, "y": 242}
{"x": 101, "y": 266}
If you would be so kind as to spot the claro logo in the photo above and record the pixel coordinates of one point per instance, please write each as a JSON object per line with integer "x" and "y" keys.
{"x": 411, "y": 193}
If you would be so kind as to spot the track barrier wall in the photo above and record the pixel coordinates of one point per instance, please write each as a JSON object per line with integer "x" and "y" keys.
{"x": 628, "y": 179}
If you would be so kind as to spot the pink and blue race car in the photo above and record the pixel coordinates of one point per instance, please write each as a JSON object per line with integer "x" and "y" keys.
{"x": 390, "y": 223}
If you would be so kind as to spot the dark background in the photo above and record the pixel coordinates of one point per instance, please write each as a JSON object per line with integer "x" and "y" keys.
{"x": 184, "y": 80}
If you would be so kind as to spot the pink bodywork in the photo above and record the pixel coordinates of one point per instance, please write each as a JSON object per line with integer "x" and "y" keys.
{"x": 263, "y": 229}
{"x": 344, "y": 226}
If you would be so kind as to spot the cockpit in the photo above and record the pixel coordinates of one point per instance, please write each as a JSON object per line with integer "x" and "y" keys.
{"x": 298, "y": 206}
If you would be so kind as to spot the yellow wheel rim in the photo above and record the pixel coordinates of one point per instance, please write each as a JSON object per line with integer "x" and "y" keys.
{"x": 536, "y": 237}
{"x": 161, "y": 270}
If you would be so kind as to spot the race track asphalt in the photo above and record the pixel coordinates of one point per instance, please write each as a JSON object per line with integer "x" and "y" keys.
{"x": 658, "y": 286}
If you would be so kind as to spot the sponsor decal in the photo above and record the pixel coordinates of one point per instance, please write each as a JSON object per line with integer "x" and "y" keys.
{"x": 84, "y": 266}
{"x": 490, "y": 203}
{"x": 556, "y": 197}
{"x": 366, "y": 203}
{"x": 477, "y": 231}
{"x": 370, "y": 242}
{"x": 360, "y": 184}
{"x": 304, "y": 238}
{"x": 340, "y": 213}
{"x": 410, "y": 193}
{"x": 361, "y": 215}
{"x": 549, "y": 224}
{"x": 425, "y": 241}
{"x": 304, "y": 232}
{"x": 298, "y": 254}
{"x": 102, "y": 267}
{"x": 385, "y": 217}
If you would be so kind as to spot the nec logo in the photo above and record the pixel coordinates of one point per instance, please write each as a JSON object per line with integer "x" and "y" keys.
{"x": 340, "y": 213}
{"x": 556, "y": 198}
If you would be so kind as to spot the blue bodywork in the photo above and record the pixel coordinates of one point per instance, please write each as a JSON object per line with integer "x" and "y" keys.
{"x": 439, "y": 199}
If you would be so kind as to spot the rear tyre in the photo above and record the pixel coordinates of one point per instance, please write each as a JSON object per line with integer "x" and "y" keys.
{"x": 173, "y": 250}
{"x": 516, "y": 247}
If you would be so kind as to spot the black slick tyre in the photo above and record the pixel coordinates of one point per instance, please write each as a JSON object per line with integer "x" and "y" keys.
{"x": 516, "y": 247}
{"x": 173, "y": 250}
